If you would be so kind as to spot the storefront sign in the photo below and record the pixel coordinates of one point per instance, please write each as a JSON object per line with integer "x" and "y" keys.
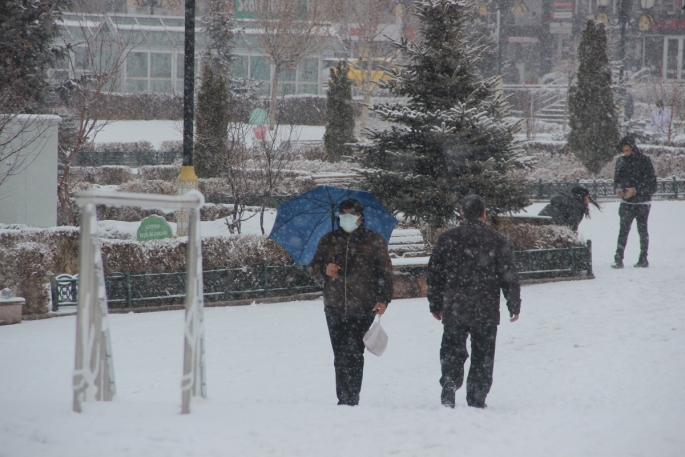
{"x": 667, "y": 24}
{"x": 561, "y": 28}
{"x": 561, "y": 15}
{"x": 562, "y": 5}
{"x": 521, "y": 39}
{"x": 249, "y": 9}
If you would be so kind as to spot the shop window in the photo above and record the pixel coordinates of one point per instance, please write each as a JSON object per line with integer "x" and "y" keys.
{"x": 672, "y": 58}
{"x": 286, "y": 76}
{"x": 160, "y": 65}
{"x": 239, "y": 66}
{"x": 136, "y": 85}
{"x": 308, "y": 70}
{"x": 260, "y": 68}
{"x": 158, "y": 38}
{"x": 163, "y": 85}
{"x": 136, "y": 65}
{"x": 286, "y": 89}
{"x": 308, "y": 89}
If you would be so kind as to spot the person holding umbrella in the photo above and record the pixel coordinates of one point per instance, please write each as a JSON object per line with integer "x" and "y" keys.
{"x": 354, "y": 265}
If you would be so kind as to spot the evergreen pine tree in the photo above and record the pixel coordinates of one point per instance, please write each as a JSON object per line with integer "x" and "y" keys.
{"x": 592, "y": 115}
{"x": 28, "y": 31}
{"x": 339, "y": 113}
{"x": 211, "y": 123}
{"x": 451, "y": 139}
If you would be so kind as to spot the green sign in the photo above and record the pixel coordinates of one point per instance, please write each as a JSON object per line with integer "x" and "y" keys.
{"x": 154, "y": 228}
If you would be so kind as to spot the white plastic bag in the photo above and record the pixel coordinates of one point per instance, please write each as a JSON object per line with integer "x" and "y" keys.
{"x": 376, "y": 340}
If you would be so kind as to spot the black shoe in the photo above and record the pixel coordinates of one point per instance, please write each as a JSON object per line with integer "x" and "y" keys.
{"x": 642, "y": 263}
{"x": 478, "y": 405}
{"x": 448, "y": 393}
{"x": 618, "y": 264}
{"x": 347, "y": 403}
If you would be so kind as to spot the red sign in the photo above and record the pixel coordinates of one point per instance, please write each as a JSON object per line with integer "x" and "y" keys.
{"x": 562, "y": 5}
{"x": 668, "y": 24}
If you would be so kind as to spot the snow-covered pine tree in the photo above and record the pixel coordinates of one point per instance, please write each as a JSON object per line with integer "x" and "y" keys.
{"x": 211, "y": 123}
{"x": 452, "y": 138}
{"x": 219, "y": 25}
{"x": 592, "y": 114}
{"x": 27, "y": 46}
{"x": 339, "y": 113}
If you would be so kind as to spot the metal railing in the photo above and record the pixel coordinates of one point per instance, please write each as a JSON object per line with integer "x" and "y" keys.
{"x": 667, "y": 188}
{"x": 126, "y": 290}
{"x": 126, "y": 158}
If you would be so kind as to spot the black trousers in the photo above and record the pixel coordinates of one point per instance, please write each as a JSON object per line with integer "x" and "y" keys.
{"x": 627, "y": 213}
{"x": 453, "y": 355}
{"x": 347, "y": 333}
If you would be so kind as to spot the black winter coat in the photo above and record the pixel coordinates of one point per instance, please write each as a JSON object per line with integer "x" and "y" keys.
{"x": 636, "y": 170}
{"x": 565, "y": 209}
{"x": 469, "y": 266}
{"x": 365, "y": 277}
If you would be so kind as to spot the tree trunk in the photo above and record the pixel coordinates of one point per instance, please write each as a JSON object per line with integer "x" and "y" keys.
{"x": 365, "y": 109}
{"x": 261, "y": 218}
{"x": 274, "y": 98}
{"x": 63, "y": 195}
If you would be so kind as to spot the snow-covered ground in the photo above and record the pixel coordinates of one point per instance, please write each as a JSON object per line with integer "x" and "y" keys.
{"x": 157, "y": 131}
{"x": 592, "y": 368}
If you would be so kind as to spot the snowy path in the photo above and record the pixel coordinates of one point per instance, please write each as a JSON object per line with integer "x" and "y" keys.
{"x": 592, "y": 368}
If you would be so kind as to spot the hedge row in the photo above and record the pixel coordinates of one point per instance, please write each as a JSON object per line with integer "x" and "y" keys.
{"x": 30, "y": 256}
{"x": 294, "y": 110}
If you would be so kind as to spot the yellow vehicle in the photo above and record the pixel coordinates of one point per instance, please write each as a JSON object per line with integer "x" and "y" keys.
{"x": 373, "y": 70}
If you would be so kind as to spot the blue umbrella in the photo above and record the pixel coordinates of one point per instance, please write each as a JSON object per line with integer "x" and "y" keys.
{"x": 303, "y": 220}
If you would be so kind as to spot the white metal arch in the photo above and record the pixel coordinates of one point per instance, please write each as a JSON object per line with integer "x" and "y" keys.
{"x": 93, "y": 370}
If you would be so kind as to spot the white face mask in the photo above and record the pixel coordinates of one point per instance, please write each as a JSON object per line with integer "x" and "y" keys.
{"x": 348, "y": 222}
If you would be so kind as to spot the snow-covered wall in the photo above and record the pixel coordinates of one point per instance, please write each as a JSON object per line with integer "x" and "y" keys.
{"x": 29, "y": 195}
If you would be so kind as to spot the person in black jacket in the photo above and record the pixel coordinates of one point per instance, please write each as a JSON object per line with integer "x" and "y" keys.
{"x": 569, "y": 208}
{"x": 354, "y": 265}
{"x": 468, "y": 267}
{"x": 635, "y": 183}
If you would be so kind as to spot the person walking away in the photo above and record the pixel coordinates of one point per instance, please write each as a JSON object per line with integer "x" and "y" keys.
{"x": 635, "y": 183}
{"x": 661, "y": 118}
{"x": 469, "y": 266}
{"x": 569, "y": 208}
{"x": 356, "y": 271}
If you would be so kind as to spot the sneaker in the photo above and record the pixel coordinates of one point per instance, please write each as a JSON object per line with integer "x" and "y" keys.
{"x": 618, "y": 264}
{"x": 447, "y": 397}
{"x": 642, "y": 263}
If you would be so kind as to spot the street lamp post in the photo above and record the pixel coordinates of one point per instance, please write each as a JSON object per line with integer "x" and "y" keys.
{"x": 187, "y": 180}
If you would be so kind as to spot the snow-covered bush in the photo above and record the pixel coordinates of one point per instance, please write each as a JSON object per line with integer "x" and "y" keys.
{"x": 29, "y": 257}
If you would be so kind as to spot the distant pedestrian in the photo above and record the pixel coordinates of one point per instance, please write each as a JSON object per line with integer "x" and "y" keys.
{"x": 635, "y": 183}
{"x": 355, "y": 267}
{"x": 661, "y": 118}
{"x": 468, "y": 267}
{"x": 569, "y": 208}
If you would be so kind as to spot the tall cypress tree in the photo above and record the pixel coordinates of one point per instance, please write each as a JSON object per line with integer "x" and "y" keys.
{"x": 339, "y": 113}
{"x": 592, "y": 115}
{"x": 211, "y": 118}
{"x": 451, "y": 138}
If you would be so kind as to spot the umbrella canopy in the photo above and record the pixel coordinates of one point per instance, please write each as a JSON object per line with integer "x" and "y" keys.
{"x": 303, "y": 220}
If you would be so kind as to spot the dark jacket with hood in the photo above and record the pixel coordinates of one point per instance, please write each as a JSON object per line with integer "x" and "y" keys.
{"x": 365, "y": 276}
{"x": 565, "y": 209}
{"x": 637, "y": 171}
{"x": 468, "y": 267}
